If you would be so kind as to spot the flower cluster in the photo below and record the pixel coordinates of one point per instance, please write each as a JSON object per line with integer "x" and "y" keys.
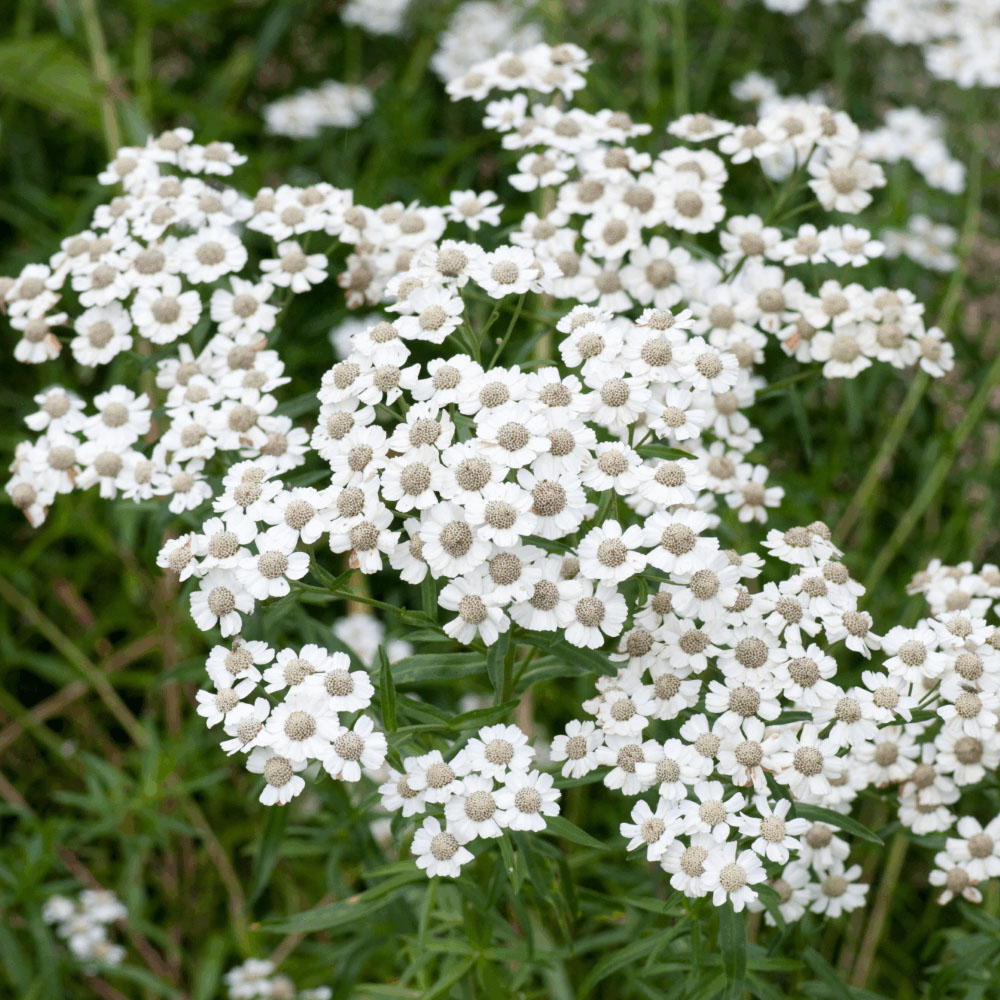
{"x": 908, "y": 134}
{"x": 565, "y": 485}
{"x": 330, "y": 105}
{"x": 159, "y": 264}
{"x": 486, "y": 788}
{"x": 958, "y": 39}
{"x": 478, "y": 30}
{"x": 930, "y": 244}
{"x": 256, "y": 979}
{"x": 83, "y": 924}
{"x": 378, "y": 17}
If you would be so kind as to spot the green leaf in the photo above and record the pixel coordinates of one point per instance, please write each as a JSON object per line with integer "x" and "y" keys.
{"x": 429, "y": 596}
{"x": 387, "y": 692}
{"x": 513, "y": 862}
{"x": 482, "y": 716}
{"x": 45, "y": 72}
{"x": 819, "y": 814}
{"x": 431, "y": 667}
{"x": 770, "y": 900}
{"x": 325, "y": 577}
{"x": 584, "y": 660}
{"x": 496, "y": 656}
{"x": 827, "y": 973}
{"x": 733, "y": 949}
{"x": 268, "y": 852}
{"x": 617, "y": 958}
{"x": 561, "y": 827}
{"x": 347, "y": 911}
{"x": 662, "y": 451}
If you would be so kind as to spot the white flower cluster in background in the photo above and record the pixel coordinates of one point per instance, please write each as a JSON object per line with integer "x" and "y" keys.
{"x": 908, "y": 134}
{"x": 83, "y": 924}
{"x": 930, "y": 244}
{"x": 330, "y": 105}
{"x": 378, "y": 17}
{"x": 958, "y": 39}
{"x": 479, "y": 29}
{"x": 256, "y": 979}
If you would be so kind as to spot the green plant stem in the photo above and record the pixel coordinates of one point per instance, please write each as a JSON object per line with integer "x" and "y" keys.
{"x": 101, "y": 64}
{"x": 94, "y": 677}
{"x": 880, "y": 910}
{"x": 886, "y": 453}
{"x": 510, "y": 330}
{"x": 936, "y": 479}
{"x": 678, "y": 13}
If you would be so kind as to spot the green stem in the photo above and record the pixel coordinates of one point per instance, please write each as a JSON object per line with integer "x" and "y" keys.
{"x": 102, "y": 71}
{"x": 880, "y": 465}
{"x": 510, "y": 330}
{"x": 918, "y": 386}
{"x": 679, "y": 40}
{"x": 893, "y": 865}
{"x": 936, "y": 479}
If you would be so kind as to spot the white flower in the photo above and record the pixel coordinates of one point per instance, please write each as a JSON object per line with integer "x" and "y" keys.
{"x": 227, "y": 664}
{"x": 215, "y": 705}
{"x": 838, "y": 891}
{"x": 438, "y": 851}
{"x": 163, "y": 314}
{"x": 526, "y": 797}
{"x": 711, "y": 813}
{"x": 267, "y": 574}
{"x": 632, "y": 763}
{"x": 219, "y": 600}
{"x": 440, "y": 779}
{"x": 479, "y": 611}
{"x": 729, "y": 876}
{"x": 355, "y": 748}
{"x": 807, "y": 763}
{"x": 402, "y": 791}
{"x": 497, "y": 750}
{"x": 686, "y": 864}
{"x": 303, "y": 725}
{"x": 505, "y": 271}
{"x": 775, "y": 834}
{"x": 578, "y": 748}
{"x": 609, "y": 555}
{"x": 281, "y": 783}
{"x": 597, "y": 611}
{"x": 334, "y": 682}
{"x": 652, "y": 828}
{"x": 294, "y": 269}
{"x": 474, "y": 812}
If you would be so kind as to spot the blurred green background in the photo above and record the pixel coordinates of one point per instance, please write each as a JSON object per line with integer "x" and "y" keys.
{"x": 105, "y": 770}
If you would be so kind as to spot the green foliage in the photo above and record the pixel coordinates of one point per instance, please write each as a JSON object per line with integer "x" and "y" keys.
{"x": 107, "y": 775}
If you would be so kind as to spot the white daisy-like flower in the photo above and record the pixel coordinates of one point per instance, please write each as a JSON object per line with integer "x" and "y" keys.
{"x": 303, "y": 725}
{"x": 838, "y": 890}
{"x": 729, "y": 875}
{"x": 354, "y": 749}
{"x": 281, "y": 783}
{"x": 474, "y": 812}
{"x": 267, "y": 573}
{"x": 654, "y": 829}
{"x": 437, "y": 851}
{"x": 577, "y": 746}
{"x": 609, "y": 554}
{"x": 220, "y": 600}
{"x": 526, "y": 798}
{"x": 499, "y": 749}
